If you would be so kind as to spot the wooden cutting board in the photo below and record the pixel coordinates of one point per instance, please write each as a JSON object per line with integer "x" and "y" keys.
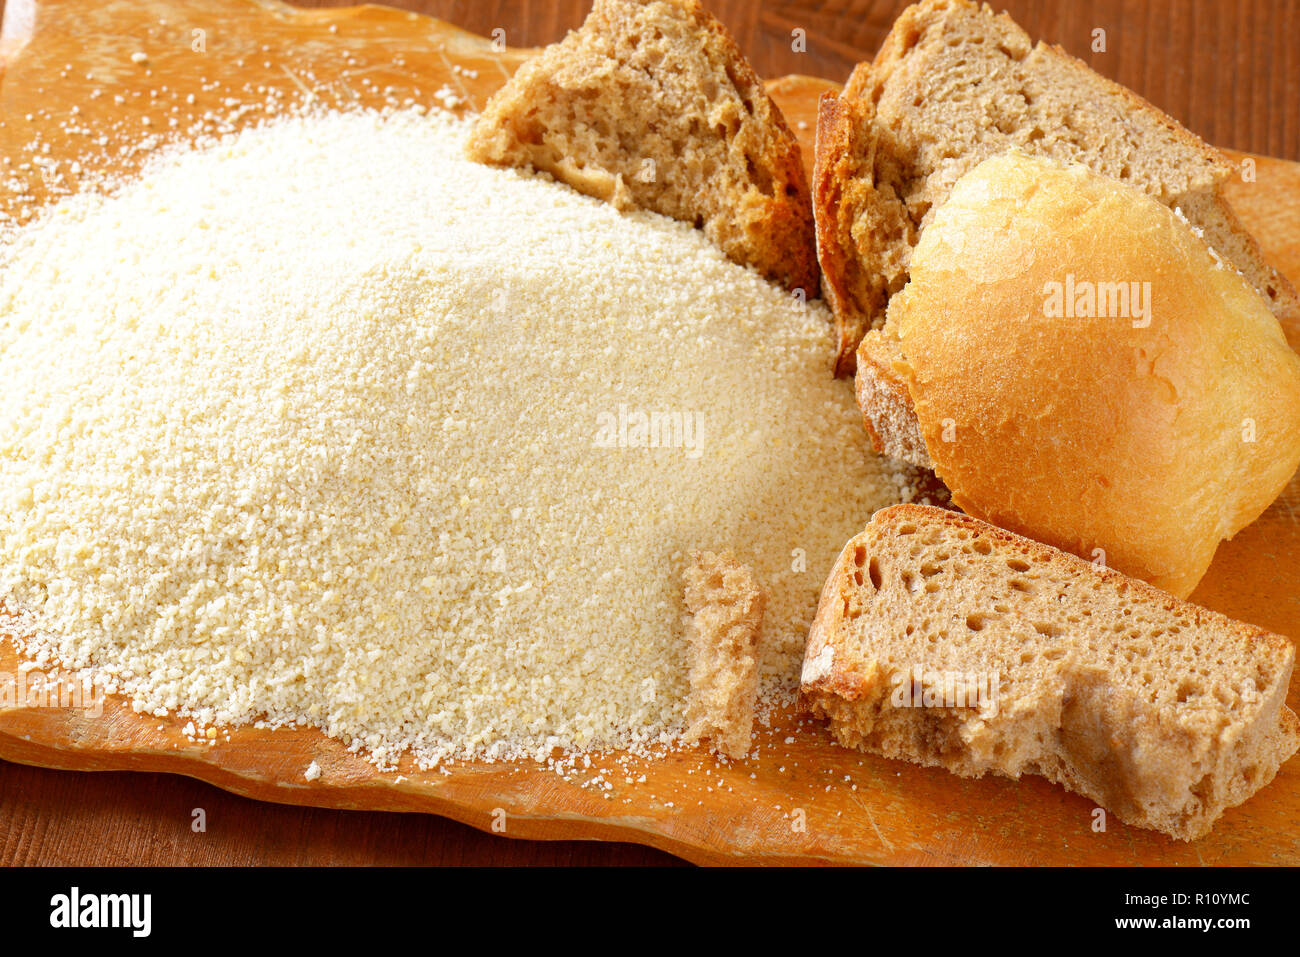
{"x": 803, "y": 799}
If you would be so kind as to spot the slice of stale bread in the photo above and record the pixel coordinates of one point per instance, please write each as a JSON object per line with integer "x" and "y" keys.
{"x": 946, "y": 641}
{"x": 726, "y": 606}
{"x": 954, "y": 84}
{"x": 651, "y": 105}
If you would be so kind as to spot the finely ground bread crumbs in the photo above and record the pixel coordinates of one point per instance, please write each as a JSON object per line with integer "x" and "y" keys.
{"x": 326, "y": 425}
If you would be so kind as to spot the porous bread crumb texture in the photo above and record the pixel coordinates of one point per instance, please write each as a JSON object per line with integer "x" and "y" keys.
{"x": 1164, "y": 713}
{"x": 283, "y": 440}
{"x": 886, "y": 402}
{"x": 650, "y": 105}
{"x": 953, "y": 85}
{"x": 726, "y": 606}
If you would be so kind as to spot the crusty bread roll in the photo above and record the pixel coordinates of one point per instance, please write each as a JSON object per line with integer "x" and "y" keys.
{"x": 1150, "y": 421}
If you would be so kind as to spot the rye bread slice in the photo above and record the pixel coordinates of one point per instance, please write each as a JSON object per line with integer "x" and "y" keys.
{"x": 651, "y": 105}
{"x": 945, "y": 641}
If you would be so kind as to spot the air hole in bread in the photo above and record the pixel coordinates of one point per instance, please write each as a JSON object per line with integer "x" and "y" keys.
{"x": 983, "y": 547}
{"x": 1204, "y": 787}
{"x": 975, "y": 622}
{"x": 907, "y": 529}
{"x": 1186, "y": 689}
{"x": 873, "y": 569}
{"x": 1019, "y": 584}
{"x": 930, "y": 569}
{"x": 1048, "y": 629}
{"x": 1017, "y": 565}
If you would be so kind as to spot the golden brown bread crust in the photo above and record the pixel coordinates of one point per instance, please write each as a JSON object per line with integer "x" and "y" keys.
{"x": 1163, "y": 712}
{"x": 651, "y": 105}
{"x": 1150, "y": 437}
{"x": 850, "y": 207}
{"x": 837, "y": 177}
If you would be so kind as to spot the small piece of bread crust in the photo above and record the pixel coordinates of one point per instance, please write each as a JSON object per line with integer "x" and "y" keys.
{"x": 954, "y": 84}
{"x": 651, "y": 105}
{"x": 726, "y": 606}
{"x": 887, "y": 409}
{"x": 945, "y": 641}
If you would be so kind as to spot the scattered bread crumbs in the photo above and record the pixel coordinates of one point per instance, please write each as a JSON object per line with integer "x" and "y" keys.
{"x": 282, "y": 443}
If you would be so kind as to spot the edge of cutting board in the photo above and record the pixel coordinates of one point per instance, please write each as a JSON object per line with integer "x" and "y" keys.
{"x": 855, "y": 808}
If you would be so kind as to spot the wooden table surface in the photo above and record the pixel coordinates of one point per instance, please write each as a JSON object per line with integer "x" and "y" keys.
{"x": 1228, "y": 70}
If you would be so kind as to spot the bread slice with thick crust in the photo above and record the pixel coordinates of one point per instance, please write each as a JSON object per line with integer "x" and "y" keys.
{"x": 651, "y": 105}
{"x": 954, "y": 84}
{"x": 949, "y": 642}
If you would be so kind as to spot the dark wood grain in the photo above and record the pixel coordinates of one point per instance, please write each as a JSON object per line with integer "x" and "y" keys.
{"x": 52, "y": 818}
{"x": 1230, "y": 71}
{"x": 1227, "y": 69}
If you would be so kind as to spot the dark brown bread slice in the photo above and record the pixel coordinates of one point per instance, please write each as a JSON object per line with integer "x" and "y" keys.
{"x": 946, "y": 641}
{"x": 954, "y": 84}
{"x": 726, "y": 605}
{"x": 651, "y": 105}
